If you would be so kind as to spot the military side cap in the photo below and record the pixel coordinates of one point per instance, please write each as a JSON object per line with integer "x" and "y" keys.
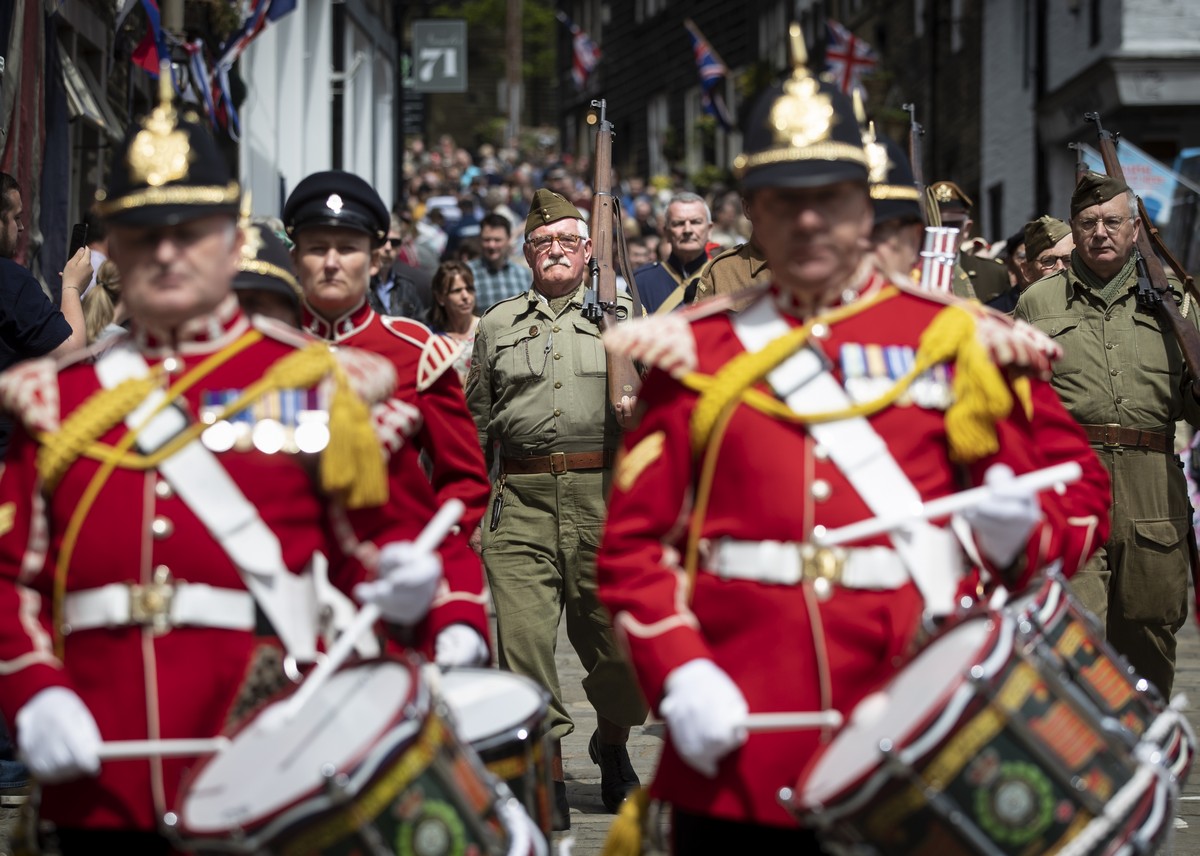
{"x": 336, "y": 198}
{"x": 893, "y": 189}
{"x": 168, "y": 169}
{"x": 950, "y": 197}
{"x": 266, "y": 264}
{"x": 1095, "y": 188}
{"x": 801, "y": 133}
{"x": 1042, "y": 234}
{"x": 549, "y": 207}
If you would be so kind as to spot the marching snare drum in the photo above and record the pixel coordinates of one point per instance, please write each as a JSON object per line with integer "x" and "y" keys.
{"x": 503, "y": 717}
{"x": 1059, "y": 629}
{"x": 973, "y": 748}
{"x": 368, "y": 765}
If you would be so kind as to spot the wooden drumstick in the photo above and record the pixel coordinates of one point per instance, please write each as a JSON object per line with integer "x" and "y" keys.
{"x": 1036, "y": 480}
{"x": 431, "y": 536}
{"x": 792, "y": 721}
{"x": 116, "y": 750}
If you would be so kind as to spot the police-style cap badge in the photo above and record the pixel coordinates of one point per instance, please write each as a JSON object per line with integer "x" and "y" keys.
{"x": 549, "y": 207}
{"x": 894, "y": 192}
{"x": 801, "y": 133}
{"x": 336, "y": 198}
{"x": 265, "y": 263}
{"x": 1042, "y": 234}
{"x": 950, "y": 197}
{"x": 168, "y": 169}
{"x": 1095, "y": 188}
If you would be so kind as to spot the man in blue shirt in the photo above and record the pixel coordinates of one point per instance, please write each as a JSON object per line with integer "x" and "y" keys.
{"x": 496, "y": 276}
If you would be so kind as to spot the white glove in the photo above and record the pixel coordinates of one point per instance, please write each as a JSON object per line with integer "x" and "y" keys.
{"x": 408, "y": 580}
{"x": 705, "y": 714}
{"x": 57, "y": 736}
{"x": 1002, "y": 523}
{"x": 460, "y": 645}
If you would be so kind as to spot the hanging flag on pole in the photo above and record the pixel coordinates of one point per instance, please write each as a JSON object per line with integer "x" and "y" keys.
{"x": 847, "y": 57}
{"x": 586, "y": 52}
{"x": 712, "y": 73}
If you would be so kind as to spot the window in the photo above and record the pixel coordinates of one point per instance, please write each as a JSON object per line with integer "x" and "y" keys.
{"x": 657, "y": 125}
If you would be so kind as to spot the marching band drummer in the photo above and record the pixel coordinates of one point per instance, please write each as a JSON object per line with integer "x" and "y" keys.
{"x": 159, "y": 505}
{"x": 336, "y": 221}
{"x": 835, "y": 397}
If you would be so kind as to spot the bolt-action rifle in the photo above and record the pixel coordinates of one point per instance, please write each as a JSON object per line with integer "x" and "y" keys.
{"x": 1154, "y": 292}
{"x": 600, "y": 302}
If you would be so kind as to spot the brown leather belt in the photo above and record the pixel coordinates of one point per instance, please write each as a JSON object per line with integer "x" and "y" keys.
{"x": 557, "y": 463}
{"x": 1133, "y": 438}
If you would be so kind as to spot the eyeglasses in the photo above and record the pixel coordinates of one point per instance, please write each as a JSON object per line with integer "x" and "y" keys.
{"x": 1111, "y": 224}
{"x": 567, "y": 242}
{"x": 1050, "y": 262}
{"x": 395, "y": 242}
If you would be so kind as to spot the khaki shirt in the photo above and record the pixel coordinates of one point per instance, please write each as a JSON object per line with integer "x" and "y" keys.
{"x": 1119, "y": 365}
{"x": 733, "y": 271}
{"x": 539, "y": 383}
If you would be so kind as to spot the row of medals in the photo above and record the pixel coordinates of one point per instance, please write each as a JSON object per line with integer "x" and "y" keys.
{"x": 287, "y": 420}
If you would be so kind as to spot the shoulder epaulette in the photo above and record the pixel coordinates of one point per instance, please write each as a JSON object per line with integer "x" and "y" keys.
{"x": 438, "y": 353}
{"x": 663, "y": 341}
{"x": 372, "y": 377}
{"x": 281, "y": 332}
{"x": 29, "y": 391}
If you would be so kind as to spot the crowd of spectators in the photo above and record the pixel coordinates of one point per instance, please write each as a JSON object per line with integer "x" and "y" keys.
{"x": 470, "y": 207}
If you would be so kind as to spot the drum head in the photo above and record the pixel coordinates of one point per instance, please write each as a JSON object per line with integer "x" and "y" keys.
{"x": 920, "y": 689}
{"x": 271, "y": 765}
{"x": 489, "y": 702}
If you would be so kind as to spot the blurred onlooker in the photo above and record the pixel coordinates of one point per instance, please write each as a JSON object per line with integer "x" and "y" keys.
{"x": 727, "y": 209}
{"x": 639, "y": 253}
{"x": 453, "y": 313}
{"x": 104, "y": 314}
{"x": 468, "y": 250}
{"x": 496, "y": 276}
{"x": 397, "y": 288}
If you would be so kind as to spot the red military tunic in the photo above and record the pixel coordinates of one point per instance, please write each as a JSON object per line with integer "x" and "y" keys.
{"x": 138, "y": 683}
{"x": 446, "y": 434}
{"x": 773, "y": 482}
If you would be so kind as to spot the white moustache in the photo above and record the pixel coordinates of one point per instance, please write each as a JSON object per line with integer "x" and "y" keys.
{"x": 549, "y": 263}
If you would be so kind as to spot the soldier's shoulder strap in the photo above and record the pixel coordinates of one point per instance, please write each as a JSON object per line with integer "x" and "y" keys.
{"x": 437, "y": 353}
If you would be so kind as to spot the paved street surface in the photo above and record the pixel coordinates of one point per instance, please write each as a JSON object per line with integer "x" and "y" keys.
{"x": 590, "y": 822}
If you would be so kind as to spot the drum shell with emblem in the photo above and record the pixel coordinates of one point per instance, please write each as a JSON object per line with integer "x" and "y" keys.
{"x": 973, "y": 748}
{"x": 503, "y": 718}
{"x": 1068, "y": 637}
{"x": 370, "y": 763}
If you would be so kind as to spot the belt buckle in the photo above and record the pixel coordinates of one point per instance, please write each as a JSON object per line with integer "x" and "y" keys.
{"x": 150, "y": 605}
{"x": 822, "y": 566}
{"x": 1111, "y": 430}
{"x": 558, "y": 463}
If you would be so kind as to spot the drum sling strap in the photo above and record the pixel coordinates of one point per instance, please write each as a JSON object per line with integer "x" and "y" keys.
{"x": 206, "y": 488}
{"x": 804, "y": 383}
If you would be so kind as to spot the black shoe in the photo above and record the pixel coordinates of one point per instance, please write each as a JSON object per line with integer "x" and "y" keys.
{"x": 617, "y": 778}
{"x": 560, "y": 820}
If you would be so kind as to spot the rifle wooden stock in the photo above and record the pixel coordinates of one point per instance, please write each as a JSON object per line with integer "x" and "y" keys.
{"x": 623, "y": 377}
{"x": 1151, "y": 265}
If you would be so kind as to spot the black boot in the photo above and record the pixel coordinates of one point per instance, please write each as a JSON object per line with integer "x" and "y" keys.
{"x": 560, "y": 817}
{"x": 617, "y": 778}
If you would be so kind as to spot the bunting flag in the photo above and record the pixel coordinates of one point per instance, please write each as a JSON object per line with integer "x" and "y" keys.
{"x": 153, "y": 47}
{"x": 262, "y": 13}
{"x": 586, "y": 52}
{"x": 712, "y": 73}
{"x": 847, "y": 57}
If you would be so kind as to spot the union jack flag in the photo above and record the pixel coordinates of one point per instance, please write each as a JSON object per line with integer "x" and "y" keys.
{"x": 847, "y": 57}
{"x": 586, "y": 52}
{"x": 712, "y": 73}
